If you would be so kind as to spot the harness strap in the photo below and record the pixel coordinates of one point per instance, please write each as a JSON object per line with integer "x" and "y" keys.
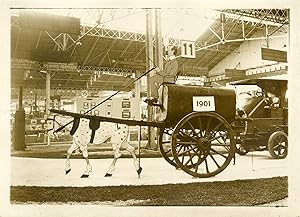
{"x": 94, "y": 125}
{"x": 53, "y": 121}
{"x": 75, "y": 126}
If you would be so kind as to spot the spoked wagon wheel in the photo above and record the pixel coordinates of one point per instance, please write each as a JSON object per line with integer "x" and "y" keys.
{"x": 164, "y": 141}
{"x": 203, "y": 144}
{"x": 278, "y": 145}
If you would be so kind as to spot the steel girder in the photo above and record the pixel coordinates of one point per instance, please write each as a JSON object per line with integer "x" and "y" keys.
{"x": 279, "y": 16}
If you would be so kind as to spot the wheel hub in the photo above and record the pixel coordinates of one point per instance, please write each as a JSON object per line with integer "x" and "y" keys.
{"x": 203, "y": 144}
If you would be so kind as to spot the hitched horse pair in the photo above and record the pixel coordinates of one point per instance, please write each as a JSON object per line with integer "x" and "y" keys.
{"x": 89, "y": 131}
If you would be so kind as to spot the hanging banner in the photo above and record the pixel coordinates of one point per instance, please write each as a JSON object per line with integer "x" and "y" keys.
{"x": 273, "y": 55}
{"x": 131, "y": 64}
{"x": 60, "y": 66}
{"x": 192, "y": 70}
{"x": 24, "y": 64}
{"x": 235, "y": 73}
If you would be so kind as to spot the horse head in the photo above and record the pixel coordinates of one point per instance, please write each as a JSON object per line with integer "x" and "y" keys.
{"x": 54, "y": 123}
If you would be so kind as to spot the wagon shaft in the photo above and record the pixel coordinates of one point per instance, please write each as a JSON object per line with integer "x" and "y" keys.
{"x": 108, "y": 119}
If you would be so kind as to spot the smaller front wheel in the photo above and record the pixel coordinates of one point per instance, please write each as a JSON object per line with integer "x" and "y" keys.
{"x": 278, "y": 145}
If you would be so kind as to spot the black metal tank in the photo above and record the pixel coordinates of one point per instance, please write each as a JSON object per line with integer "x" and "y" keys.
{"x": 177, "y": 101}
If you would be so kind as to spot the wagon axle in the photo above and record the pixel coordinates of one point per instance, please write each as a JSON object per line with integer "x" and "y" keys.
{"x": 203, "y": 144}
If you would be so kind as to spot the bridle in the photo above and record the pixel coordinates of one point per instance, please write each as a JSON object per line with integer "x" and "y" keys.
{"x": 54, "y": 121}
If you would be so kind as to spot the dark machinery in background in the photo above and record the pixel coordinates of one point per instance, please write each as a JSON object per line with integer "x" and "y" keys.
{"x": 264, "y": 119}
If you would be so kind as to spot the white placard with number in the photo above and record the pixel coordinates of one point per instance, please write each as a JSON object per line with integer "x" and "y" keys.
{"x": 204, "y": 103}
{"x": 188, "y": 49}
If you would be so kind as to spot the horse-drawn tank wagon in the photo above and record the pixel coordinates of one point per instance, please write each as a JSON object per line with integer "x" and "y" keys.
{"x": 197, "y": 128}
{"x": 200, "y": 126}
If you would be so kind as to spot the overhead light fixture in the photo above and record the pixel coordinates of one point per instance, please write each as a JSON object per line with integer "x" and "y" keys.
{"x": 43, "y": 71}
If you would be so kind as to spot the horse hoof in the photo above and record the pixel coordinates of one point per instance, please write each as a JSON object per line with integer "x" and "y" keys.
{"x": 84, "y": 176}
{"x": 67, "y": 171}
{"x": 108, "y": 175}
{"x": 139, "y": 170}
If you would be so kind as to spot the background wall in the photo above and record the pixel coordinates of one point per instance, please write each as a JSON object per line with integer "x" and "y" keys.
{"x": 248, "y": 55}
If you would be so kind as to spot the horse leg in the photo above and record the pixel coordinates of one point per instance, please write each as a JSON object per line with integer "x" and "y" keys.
{"x": 131, "y": 150}
{"x": 120, "y": 136}
{"x": 69, "y": 153}
{"x": 112, "y": 167}
{"x": 88, "y": 168}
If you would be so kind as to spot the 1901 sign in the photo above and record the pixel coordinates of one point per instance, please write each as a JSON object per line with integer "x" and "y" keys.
{"x": 204, "y": 103}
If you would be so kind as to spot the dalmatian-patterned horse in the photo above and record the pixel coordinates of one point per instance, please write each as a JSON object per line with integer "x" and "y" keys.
{"x": 85, "y": 132}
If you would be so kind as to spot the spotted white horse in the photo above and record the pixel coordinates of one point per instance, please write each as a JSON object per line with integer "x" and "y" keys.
{"x": 85, "y": 132}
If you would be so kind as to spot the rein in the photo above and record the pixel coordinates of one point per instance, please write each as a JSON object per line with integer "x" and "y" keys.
{"x": 54, "y": 121}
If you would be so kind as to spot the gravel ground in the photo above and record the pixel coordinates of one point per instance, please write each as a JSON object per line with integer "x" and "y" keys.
{"x": 278, "y": 203}
{"x": 229, "y": 193}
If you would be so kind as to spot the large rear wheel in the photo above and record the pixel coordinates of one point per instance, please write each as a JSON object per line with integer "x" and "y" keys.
{"x": 203, "y": 144}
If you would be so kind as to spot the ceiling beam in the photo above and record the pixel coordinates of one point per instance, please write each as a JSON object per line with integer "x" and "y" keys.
{"x": 91, "y": 50}
{"x": 278, "y": 16}
{"x": 17, "y": 41}
{"x": 107, "y": 51}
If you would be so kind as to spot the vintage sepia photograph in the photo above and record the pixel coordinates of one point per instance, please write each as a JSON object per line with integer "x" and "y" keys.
{"x": 150, "y": 107}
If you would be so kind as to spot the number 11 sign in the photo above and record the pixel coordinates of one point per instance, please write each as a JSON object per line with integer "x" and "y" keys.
{"x": 188, "y": 49}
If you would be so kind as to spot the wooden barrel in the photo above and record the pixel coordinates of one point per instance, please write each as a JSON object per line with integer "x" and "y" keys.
{"x": 179, "y": 101}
